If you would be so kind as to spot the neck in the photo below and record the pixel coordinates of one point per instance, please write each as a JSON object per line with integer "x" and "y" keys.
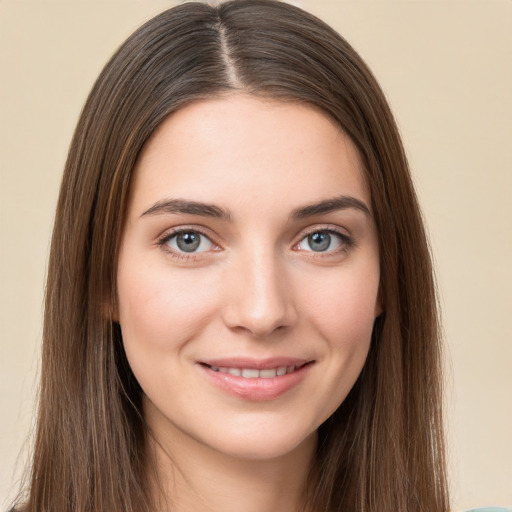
{"x": 192, "y": 477}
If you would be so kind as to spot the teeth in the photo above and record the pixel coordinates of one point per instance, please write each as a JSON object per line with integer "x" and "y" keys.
{"x": 250, "y": 373}
{"x": 253, "y": 373}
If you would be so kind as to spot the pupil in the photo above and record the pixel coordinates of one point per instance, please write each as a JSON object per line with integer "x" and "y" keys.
{"x": 188, "y": 242}
{"x": 319, "y": 241}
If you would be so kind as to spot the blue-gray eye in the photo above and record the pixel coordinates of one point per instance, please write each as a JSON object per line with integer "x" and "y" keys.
{"x": 321, "y": 241}
{"x": 189, "y": 241}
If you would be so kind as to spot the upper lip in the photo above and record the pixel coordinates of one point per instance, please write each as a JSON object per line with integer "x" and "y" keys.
{"x": 257, "y": 364}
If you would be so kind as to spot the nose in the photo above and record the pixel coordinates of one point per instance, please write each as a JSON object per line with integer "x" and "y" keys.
{"x": 260, "y": 298}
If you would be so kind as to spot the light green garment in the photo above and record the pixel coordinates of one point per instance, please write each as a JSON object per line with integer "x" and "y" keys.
{"x": 491, "y": 509}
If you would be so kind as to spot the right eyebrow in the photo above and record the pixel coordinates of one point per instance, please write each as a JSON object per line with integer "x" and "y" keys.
{"x": 331, "y": 205}
{"x": 188, "y": 208}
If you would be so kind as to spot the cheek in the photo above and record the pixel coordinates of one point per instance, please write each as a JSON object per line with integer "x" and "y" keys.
{"x": 160, "y": 310}
{"x": 343, "y": 314}
{"x": 159, "y": 313}
{"x": 343, "y": 307}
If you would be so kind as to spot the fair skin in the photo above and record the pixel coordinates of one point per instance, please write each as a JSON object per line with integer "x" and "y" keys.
{"x": 247, "y": 291}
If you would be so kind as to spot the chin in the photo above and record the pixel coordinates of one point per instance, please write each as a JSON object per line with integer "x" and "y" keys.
{"x": 268, "y": 449}
{"x": 264, "y": 443}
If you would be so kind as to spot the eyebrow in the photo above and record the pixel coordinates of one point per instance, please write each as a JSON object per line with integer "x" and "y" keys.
{"x": 330, "y": 205}
{"x": 187, "y": 207}
{"x": 182, "y": 206}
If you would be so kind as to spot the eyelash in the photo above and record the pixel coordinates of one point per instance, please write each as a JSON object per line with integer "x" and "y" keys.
{"x": 347, "y": 242}
{"x": 166, "y": 237}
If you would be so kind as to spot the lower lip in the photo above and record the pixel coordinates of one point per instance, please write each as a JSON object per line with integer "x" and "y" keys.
{"x": 256, "y": 389}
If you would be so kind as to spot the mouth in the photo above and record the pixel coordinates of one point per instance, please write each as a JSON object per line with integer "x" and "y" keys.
{"x": 255, "y": 373}
{"x": 256, "y": 380}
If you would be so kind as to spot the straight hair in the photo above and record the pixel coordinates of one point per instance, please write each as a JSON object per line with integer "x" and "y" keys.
{"x": 383, "y": 449}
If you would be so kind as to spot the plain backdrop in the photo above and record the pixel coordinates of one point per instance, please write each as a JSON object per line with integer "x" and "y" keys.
{"x": 446, "y": 67}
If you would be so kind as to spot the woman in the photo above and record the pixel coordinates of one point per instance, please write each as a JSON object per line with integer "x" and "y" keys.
{"x": 240, "y": 307}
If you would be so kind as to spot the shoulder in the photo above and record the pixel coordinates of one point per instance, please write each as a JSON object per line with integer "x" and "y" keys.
{"x": 490, "y": 509}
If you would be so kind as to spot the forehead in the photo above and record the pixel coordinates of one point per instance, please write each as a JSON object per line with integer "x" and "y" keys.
{"x": 239, "y": 148}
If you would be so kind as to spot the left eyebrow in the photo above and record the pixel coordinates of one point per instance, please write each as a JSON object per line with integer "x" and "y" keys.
{"x": 330, "y": 205}
{"x": 182, "y": 206}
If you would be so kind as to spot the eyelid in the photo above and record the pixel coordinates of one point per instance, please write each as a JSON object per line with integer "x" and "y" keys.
{"x": 172, "y": 232}
{"x": 347, "y": 240}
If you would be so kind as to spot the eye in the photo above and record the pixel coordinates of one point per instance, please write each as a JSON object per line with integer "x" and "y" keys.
{"x": 188, "y": 241}
{"x": 323, "y": 241}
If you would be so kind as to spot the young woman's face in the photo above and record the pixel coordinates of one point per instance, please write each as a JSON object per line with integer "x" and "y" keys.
{"x": 248, "y": 275}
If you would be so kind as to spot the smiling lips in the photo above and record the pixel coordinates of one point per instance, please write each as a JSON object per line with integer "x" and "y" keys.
{"x": 256, "y": 380}
{"x": 254, "y": 373}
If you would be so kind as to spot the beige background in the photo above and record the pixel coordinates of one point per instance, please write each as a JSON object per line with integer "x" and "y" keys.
{"x": 446, "y": 67}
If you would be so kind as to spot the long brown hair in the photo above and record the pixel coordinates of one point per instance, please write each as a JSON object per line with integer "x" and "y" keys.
{"x": 382, "y": 450}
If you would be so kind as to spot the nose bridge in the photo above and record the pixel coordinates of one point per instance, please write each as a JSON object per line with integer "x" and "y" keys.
{"x": 260, "y": 300}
